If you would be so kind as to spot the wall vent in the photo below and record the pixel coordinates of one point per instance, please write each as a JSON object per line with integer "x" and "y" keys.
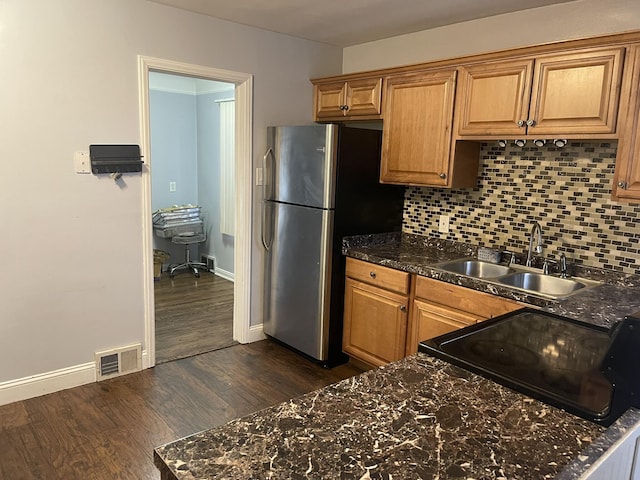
{"x": 118, "y": 361}
{"x": 209, "y": 261}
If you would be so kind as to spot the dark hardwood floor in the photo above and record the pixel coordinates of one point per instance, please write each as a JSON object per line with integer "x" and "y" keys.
{"x": 193, "y": 315}
{"x": 108, "y": 430}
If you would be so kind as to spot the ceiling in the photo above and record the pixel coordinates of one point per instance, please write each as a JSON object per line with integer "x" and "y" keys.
{"x": 350, "y": 22}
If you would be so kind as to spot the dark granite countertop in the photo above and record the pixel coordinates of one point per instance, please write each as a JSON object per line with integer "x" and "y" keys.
{"x": 618, "y": 296}
{"x": 413, "y": 419}
{"x": 420, "y": 417}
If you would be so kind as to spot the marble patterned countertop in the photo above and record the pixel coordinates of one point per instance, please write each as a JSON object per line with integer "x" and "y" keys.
{"x": 417, "y": 418}
{"x": 413, "y": 419}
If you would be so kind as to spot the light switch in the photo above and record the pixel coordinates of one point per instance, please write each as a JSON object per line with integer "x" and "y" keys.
{"x": 82, "y": 162}
{"x": 258, "y": 176}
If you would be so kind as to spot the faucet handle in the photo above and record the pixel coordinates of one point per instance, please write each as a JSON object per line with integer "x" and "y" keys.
{"x": 563, "y": 265}
{"x": 512, "y": 257}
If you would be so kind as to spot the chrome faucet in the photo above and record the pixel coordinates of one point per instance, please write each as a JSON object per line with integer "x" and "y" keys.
{"x": 538, "y": 249}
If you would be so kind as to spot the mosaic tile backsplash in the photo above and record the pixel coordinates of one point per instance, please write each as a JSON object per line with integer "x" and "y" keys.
{"x": 567, "y": 190}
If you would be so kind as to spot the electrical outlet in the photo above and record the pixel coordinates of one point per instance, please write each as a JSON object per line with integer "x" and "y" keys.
{"x": 172, "y": 186}
{"x": 443, "y": 224}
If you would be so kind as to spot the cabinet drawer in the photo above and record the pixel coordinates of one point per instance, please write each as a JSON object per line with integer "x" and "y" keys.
{"x": 382, "y": 277}
{"x": 482, "y": 305}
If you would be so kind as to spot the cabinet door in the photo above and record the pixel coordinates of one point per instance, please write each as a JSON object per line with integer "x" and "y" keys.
{"x": 416, "y": 136}
{"x": 494, "y": 98}
{"x": 576, "y": 93}
{"x": 375, "y": 323}
{"x": 363, "y": 97}
{"x": 329, "y": 100}
{"x": 626, "y": 181}
{"x": 431, "y": 319}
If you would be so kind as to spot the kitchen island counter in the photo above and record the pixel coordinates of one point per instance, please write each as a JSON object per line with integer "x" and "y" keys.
{"x": 417, "y": 418}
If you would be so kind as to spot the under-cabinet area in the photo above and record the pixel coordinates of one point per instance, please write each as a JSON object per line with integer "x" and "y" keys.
{"x": 435, "y": 115}
{"x": 388, "y": 312}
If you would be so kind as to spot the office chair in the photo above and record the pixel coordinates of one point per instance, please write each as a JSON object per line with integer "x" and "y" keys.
{"x": 188, "y": 239}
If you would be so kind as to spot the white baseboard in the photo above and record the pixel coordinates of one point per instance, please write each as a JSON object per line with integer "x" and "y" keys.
{"x": 256, "y": 333}
{"x": 50, "y": 382}
{"x": 224, "y": 274}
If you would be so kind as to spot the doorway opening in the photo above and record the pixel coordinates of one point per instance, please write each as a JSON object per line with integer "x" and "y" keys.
{"x": 237, "y": 233}
{"x": 192, "y": 196}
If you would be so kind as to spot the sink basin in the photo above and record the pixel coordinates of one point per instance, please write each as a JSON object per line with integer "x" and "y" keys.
{"x": 518, "y": 277}
{"x": 475, "y": 268}
{"x": 542, "y": 284}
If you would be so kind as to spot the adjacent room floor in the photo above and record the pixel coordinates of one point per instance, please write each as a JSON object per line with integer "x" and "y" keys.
{"x": 193, "y": 315}
{"x": 108, "y": 430}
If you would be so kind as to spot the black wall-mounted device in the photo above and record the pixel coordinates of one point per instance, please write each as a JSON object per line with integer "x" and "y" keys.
{"x": 115, "y": 158}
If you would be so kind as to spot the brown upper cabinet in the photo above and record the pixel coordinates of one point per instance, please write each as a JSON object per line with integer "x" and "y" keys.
{"x": 568, "y": 94}
{"x": 345, "y": 100}
{"x": 434, "y": 115}
{"x": 626, "y": 181}
{"x": 417, "y": 147}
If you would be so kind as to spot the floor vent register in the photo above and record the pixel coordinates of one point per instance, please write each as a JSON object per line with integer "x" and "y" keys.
{"x": 118, "y": 361}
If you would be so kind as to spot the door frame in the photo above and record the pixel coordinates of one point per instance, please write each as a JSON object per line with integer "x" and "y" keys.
{"x": 243, "y": 183}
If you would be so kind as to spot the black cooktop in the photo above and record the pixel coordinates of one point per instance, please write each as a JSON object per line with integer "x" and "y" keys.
{"x": 560, "y": 361}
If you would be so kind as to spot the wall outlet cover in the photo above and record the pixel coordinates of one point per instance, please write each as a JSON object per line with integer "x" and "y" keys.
{"x": 82, "y": 162}
{"x": 443, "y": 224}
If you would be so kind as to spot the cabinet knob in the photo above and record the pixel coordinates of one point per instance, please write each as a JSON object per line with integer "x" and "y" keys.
{"x": 622, "y": 185}
{"x": 521, "y": 123}
{"x": 443, "y": 175}
{"x": 372, "y": 274}
{"x": 531, "y": 123}
{"x": 403, "y": 308}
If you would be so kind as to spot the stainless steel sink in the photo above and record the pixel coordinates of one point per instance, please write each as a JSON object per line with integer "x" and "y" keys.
{"x": 543, "y": 284}
{"x": 475, "y": 268}
{"x": 518, "y": 277}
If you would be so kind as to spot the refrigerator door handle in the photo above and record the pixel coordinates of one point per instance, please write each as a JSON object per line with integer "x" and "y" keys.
{"x": 266, "y": 182}
{"x": 265, "y": 169}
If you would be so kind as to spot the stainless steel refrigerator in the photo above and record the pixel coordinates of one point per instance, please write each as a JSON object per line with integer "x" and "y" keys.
{"x": 321, "y": 183}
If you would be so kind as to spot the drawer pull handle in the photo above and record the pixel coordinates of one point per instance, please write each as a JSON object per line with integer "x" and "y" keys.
{"x": 372, "y": 274}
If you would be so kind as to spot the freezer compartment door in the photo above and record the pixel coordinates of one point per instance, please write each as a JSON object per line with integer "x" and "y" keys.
{"x": 297, "y": 278}
{"x": 302, "y": 168}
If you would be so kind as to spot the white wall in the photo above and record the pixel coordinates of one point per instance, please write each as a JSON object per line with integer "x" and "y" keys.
{"x": 72, "y": 276}
{"x": 564, "y": 21}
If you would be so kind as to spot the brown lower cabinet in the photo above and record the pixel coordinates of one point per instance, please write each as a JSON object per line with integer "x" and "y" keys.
{"x": 376, "y": 309}
{"x": 440, "y": 308}
{"x": 375, "y": 323}
{"x": 388, "y": 312}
